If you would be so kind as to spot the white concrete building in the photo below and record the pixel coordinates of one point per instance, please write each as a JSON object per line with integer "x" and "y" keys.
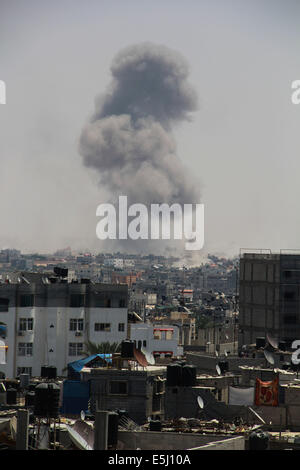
{"x": 49, "y": 323}
{"x": 157, "y": 339}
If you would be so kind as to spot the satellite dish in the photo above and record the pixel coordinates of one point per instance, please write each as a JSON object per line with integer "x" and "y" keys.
{"x": 225, "y": 353}
{"x": 226, "y": 336}
{"x": 272, "y": 341}
{"x": 216, "y": 353}
{"x": 82, "y": 415}
{"x": 269, "y": 357}
{"x": 149, "y": 356}
{"x": 218, "y": 370}
{"x": 200, "y": 402}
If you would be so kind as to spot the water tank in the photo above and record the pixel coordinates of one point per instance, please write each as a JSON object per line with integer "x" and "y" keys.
{"x": 24, "y": 380}
{"x": 127, "y": 348}
{"x": 224, "y": 366}
{"x": 189, "y": 373}
{"x": 47, "y": 400}
{"x": 44, "y": 372}
{"x": 30, "y": 399}
{"x": 11, "y": 396}
{"x": 260, "y": 342}
{"x": 51, "y": 372}
{"x": 113, "y": 422}
{"x": 258, "y": 440}
{"x": 155, "y": 425}
{"x": 174, "y": 375}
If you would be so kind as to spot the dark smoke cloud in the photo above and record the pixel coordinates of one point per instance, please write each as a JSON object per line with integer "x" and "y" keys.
{"x": 129, "y": 139}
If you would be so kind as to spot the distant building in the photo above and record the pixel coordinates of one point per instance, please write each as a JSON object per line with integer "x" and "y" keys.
{"x": 125, "y": 278}
{"x": 157, "y": 339}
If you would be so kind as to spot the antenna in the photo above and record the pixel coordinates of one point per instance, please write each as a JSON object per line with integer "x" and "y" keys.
{"x": 257, "y": 415}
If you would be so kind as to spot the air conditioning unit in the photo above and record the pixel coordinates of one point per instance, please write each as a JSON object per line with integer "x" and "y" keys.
{"x": 78, "y": 333}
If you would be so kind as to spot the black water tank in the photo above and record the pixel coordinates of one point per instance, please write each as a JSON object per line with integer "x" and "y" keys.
{"x": 47, "y": 400}
{"x": 189, "y": 373}
{"x": 174, "y": 375}
{"x": 258, "y": 440}
{"x": 113, "y": 422}
{"x": 224, "y": 366}
{"x": 51, "y": 372}
{"x": 260, "y": 342}
{"x": 44, "y": 372}
{"x": 155, "y": 425}
{"x": 11, "y": 396}
{"x": 30, "y": 399}
{"x": 127, "y": 348}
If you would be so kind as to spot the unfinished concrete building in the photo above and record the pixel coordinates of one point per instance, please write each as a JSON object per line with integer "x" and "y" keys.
{"x": 269, "y": 297}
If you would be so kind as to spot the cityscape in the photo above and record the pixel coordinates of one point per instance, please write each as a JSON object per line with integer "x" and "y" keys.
{"x": 149, "y": 240}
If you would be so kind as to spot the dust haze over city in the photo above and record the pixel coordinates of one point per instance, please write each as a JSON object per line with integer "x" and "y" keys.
{"x": 222, "y": 132}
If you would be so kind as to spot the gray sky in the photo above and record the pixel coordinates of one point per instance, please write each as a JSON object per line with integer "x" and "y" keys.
{"x": 242, "y": 144}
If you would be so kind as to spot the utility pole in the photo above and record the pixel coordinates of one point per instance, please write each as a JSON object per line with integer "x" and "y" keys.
{"x": 22, "y": 430}
{"x": 101, "y": 430}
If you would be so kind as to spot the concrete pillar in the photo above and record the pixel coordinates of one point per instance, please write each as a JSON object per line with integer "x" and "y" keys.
{"x": 101, "y": 430}
{"x": 22, "y": 429}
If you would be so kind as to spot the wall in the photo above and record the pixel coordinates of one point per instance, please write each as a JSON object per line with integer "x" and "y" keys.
{"x": 173, "y": 441}
{"x": 234, "y": 443}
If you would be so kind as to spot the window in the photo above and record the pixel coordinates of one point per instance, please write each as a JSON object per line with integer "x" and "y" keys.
{"x": 107, "y": 303}
{"x": 122, "y": 303}
{"x": 25, "y": 349}
{"x": 290, "y": 319}
{"x": 75, "y": 349}
{"x": 76, "y": 324}
{"x": 139, "y": 344}
{"x": 24, "y": 370}
{"x": 26, "y": 324}
{"x": 169, "y": 334}
{"x": 156, "y": 403}
{"x": 102, "y": 326}
{"x": 145, "y": 343}
{"x": 27, "y": 300}
{"x": 289, "y": 295}
{"x": 4, "y": 305}
{"x": 77, "y": 300}
{"x": 118, "y": 388}
{"x": 121, "y": 327}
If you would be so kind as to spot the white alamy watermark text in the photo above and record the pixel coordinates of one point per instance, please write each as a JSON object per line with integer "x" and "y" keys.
{"x": 2, "y": 92}
{"x": 164, "y": 222}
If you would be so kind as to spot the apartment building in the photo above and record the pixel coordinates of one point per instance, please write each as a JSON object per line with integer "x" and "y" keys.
{"x": 269, "y": 297}
{"x": 48, "y": 321}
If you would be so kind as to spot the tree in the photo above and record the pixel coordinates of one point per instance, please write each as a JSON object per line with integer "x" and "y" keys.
{"x": 102, "y": 348}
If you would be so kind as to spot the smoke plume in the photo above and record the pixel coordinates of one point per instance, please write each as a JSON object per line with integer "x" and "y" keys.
{"x": 129, "y": 140}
